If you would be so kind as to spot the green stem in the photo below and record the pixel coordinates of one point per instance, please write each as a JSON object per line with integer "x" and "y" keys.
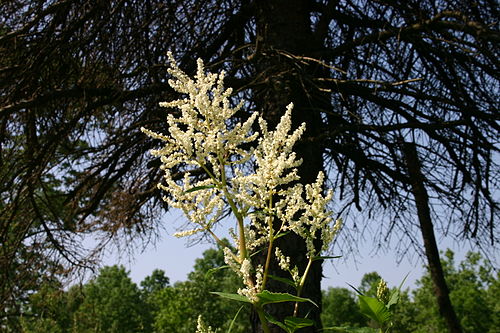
{"x": 222, "y": 185}
{"x": 268, "y": 261}
{"x": 262, "y": 318}
{"x": 235, "y": 210}
{"x": 242, "y": 240}
{"x": 270, "y": 246}
{"x": 301, "y": 285}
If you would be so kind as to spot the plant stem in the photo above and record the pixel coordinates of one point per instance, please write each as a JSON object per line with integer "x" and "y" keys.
{"x": 234, "y": 209}
{"x": 262, "y": 318}
{"x": 301, "y": 285}
{"x": 268, "y": 260}
{"x": 271, "y": 241}
{"x": 242, "y": 240}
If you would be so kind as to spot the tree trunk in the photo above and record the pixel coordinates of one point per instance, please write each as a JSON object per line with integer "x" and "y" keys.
{"x": 284, "y": 28}
{"x": 431, "y": 250}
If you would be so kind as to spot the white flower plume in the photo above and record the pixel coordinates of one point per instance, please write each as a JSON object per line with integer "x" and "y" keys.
{"x": 255, "y": 183}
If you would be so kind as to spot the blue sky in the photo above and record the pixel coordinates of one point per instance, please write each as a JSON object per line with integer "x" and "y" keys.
{"x": 177, "y": 259}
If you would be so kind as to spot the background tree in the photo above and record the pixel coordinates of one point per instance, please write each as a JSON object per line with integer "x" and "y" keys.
{"x": 109, "y": 303}
{"x": 474, "y": 291}
{"x": 176, "y": 308}
{"x": 470, "y": 286}
{"x": 112, "y": 303}
{"x": 47, "y": 311}
{"x": 79, "y": 78}
{"x": 340, "y": 309}
{"x": 369, "y": 283}
{"x": 154, "y": 282}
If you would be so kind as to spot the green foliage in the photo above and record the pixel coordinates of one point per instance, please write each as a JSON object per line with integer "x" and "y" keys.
{"x": 109, "y": 303}
{"x": 154, "y": 283}
{"x": 290, "y": 324}
{"x": 404, "y": 314}
{"x": 47, "y": 310}
{"x": 369, "y": 282}
{"x": 374, "y": 309}
{"x": 340, "y": 309}
{"x": 112, "y": 303}
{"x": 351, "y": 329}
{"x": 267, "y": 297}
{"x": 472, "y": 286}
{"x": 177, "y": 307}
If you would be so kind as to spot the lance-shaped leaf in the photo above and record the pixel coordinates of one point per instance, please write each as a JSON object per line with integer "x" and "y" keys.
{"x": 235, "y": 297}
{"x": 290, "y": 324}
{"x": 267, "y": 297}
{"x": 374, "y": 309}
{"x": 289, "y": 282}
{"x": 294, "y": 323}
{"x": 325, "y": 257}
{"x": 396, "y": 294}
{"x": 350, "y": 329}
{"x": 199, "y": 188}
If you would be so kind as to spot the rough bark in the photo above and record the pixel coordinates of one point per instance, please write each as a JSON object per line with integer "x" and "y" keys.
{"x": 283, "y": 27}
{"x": 431, "y": 249}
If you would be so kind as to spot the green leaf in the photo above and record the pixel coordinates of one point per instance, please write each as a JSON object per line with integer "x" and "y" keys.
{"x": 267, "y": 297}
{"x": 257, "y": 211}
{"x": 374, "y": 309}
{"x": 199, "y": 188}
{"x": 294, "y": 323}
{"x": 235, "y": 297}
{"x": 289, "y": 282}
{"x": 353, "y": 287}
{"x": 215, "y": 269}
{"x": 393, "y": 300}
{"x": 281, "y": 234}
{"x": 256, "y": 252}
{"x": 234, "y": 319}
{"x": 395, "y": 294}
{"x": 350, "y": 329}
{"x": 402, "y": 282}
{"x": 325, "y": 257}
{"x": 276, "y": 322}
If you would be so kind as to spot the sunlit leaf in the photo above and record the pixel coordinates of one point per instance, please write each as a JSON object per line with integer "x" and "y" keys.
{"x": 235, "y": 297}
{"x": 267, "y": 297}
{"x": 374, "y": 309}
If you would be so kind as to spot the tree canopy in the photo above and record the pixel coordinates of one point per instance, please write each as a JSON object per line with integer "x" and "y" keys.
{"x": 79, "y": 78}
{"x": 175, "y": 308}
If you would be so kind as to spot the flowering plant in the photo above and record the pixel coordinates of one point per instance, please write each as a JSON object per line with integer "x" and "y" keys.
{"x": 251, "y": 172}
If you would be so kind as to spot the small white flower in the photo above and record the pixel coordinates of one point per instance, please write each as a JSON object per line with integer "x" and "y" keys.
{"x": 295, "y": 274}
{"x": 187, "y": 233}
{"x": 252, "y": 289}
{"x": 229, "y": 259}
{"x": 246, "y": 269}
{"x": 202, "y": 327}
{"x": 283, "y": 261}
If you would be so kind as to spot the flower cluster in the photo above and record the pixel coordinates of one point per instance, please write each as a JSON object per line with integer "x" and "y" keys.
{"x": 203, "y": 136}
{"x": 283, "y": 261}
{"x": 200, "y": 138}
{"x": 383, "y": 292}
{"x": 252, "y": 288}
{"x": 202, "y": 327}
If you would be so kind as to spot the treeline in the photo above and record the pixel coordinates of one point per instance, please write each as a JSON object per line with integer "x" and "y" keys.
{"x": 112, "y": 302}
